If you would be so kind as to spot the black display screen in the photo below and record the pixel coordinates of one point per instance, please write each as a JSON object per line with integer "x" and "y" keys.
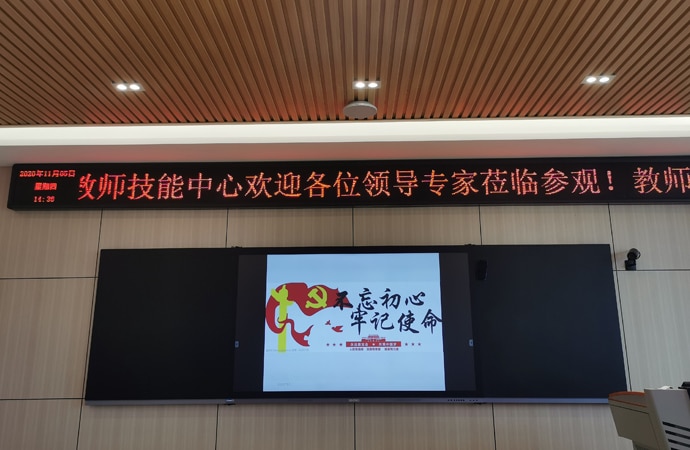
{"x": 163, "y": 326}
{"x": 524, "y": 323}
{"x": 546, "y": 322}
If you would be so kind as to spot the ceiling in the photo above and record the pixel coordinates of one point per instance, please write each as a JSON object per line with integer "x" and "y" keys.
{"x": 264, "y": 62}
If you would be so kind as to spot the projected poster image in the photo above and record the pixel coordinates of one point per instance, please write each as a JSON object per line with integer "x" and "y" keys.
{"x": 353, "y": 322}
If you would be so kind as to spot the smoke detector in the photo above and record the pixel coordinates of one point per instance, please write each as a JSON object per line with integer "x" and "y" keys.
{"x": 359, "y": 110}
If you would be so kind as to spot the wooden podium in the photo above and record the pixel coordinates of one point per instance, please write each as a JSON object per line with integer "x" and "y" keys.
{"x": 656, "y": 419}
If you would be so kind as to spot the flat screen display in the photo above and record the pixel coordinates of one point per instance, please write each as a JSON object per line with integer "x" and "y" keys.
{"x": 163, "y": 327}
{"x": 365, "y": 323}
{"x": 473, "y": 323}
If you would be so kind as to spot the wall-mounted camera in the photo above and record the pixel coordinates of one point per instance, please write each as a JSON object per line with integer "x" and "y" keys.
{"x": 633, "y": 255}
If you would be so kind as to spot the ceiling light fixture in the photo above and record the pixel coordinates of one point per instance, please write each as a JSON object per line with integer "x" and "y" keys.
{"x": 124, "y": 87}
{"x": 363, "y": 84}
{"x": 597, "y": 79}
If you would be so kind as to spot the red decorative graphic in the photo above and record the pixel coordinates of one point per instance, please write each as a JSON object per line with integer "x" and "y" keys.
{"x": 373, "y": 341}
{"x": 309, "y": 299}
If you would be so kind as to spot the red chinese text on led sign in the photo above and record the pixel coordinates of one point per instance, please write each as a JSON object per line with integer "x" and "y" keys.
{"x": 43, "y": 186}
{"x": 373, "y": 184}
{"x": 649, "y": 180}
{"x": 49, "y": 173}
{"x": 301, "y": 184}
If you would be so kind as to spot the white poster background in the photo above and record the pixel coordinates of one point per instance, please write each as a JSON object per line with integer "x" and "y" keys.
{"x": 328, "y": 364}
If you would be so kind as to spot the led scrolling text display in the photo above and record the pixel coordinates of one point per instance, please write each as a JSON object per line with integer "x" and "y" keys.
{"x": 347, "y": 184}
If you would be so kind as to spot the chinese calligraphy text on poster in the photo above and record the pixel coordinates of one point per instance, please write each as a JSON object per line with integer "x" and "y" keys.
{"x": 353, "y": 322}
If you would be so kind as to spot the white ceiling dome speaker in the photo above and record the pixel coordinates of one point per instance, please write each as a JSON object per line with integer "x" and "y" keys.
{"x": 359, "y": 110}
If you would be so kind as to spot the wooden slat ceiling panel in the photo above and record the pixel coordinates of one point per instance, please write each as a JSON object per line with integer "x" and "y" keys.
{"x": 212, "y": 61}
{"x": 662, "y": 60}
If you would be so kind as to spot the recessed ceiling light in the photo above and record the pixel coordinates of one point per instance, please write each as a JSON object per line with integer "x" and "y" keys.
{"x": 597, "y": 79}
{"x": 124, "y": 87}
{"x": 361, "y": 84}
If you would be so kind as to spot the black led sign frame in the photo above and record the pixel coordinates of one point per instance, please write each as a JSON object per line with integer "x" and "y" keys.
{"x": 308, "y": 184}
